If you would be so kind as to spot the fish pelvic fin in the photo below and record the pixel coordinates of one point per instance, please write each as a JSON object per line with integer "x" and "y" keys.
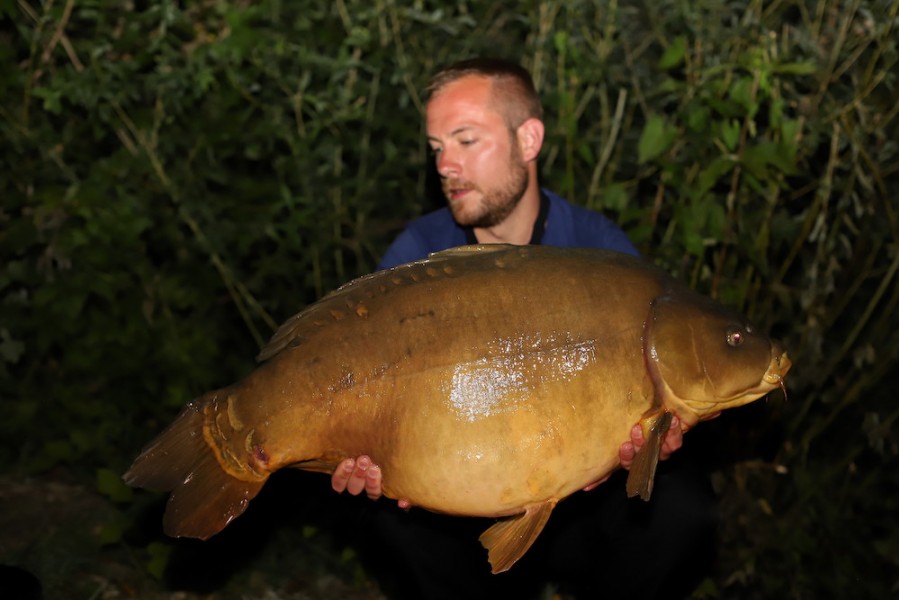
{"x": 509, "y": 539}
{"x": 642, "y": 474}
{"x": 204, "y": 497}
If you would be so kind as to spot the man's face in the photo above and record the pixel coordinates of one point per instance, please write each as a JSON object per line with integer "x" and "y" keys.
{"x": 479, "y": 161}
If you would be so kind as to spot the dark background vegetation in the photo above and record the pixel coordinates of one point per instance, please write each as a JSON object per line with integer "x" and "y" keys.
{"x": 179, "y": 177}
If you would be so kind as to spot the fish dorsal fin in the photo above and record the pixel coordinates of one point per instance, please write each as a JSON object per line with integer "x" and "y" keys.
{"x": 655, "y": 424}
{"x": 338, "y": 302}
{"x": 509, "y": 539}
{"x": 331, "y": 307}
{"x": 351, "y": 297}
{"x": 470, "y": 249}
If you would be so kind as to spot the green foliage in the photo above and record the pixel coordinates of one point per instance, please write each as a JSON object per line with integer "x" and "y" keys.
{"x": 160, "y": 553}
{"x": 177, "y": 178}
{"x": 110, "y": 484}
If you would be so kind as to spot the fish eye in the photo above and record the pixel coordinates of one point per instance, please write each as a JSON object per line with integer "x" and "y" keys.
{"x": 735, "y": 337}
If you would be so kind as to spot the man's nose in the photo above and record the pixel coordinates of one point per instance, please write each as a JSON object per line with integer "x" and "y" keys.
{"x": 447, "y": 164}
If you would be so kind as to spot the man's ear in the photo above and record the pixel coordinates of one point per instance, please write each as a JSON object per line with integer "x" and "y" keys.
{"x": 530, "y": 138}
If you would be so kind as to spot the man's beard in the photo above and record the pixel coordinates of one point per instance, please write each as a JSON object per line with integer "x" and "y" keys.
{"x": 497, "y": 203}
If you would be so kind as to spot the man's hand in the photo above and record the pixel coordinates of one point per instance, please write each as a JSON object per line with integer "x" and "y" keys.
{"x": 674, "y": 439}
{"x": 356, "y": 475}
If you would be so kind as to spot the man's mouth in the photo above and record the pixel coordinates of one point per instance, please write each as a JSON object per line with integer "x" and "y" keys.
{"x": 455, "y": 191}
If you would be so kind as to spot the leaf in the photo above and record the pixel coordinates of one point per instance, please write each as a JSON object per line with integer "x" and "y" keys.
{"x": 52, "y": 99}
{"x": 715, "y": 219}
{"x": 789, "y": 130}
{"x": 698, "y": 119}
{"x": 111, "y": 533}
{"x": 159, "y": 558}
{"x": 656, "y": 137}
{"x": 674, "y": 54}
{"x": 110, "y": 484}
{"x": 757, "y": 159}
{"x": 560, "y": 42}
{"x": 710, "y": 175}
{"x": 730, "y": 133}
{"x": 10, "y": 350}
{"x": 799, "y": 68}
{"x": 585, "y": 151}
{"x": 614, "y": 197}
{"x": 742, "y": 93}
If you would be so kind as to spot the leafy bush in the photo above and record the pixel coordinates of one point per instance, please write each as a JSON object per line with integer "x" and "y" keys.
{"x": 176, "y": 179}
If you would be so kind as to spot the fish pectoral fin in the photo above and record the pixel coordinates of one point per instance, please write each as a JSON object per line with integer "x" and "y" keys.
{"x": 326, "y": 462}
{"x": 643, "y": 471}
{"x": 317, "y": 465}
{"x": 509, "y": 539}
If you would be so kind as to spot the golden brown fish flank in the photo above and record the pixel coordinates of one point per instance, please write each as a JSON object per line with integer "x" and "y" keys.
{"x": 521, "y": 368}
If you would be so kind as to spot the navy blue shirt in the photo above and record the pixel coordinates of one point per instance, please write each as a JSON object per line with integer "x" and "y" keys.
{"x": 566, "y": 225}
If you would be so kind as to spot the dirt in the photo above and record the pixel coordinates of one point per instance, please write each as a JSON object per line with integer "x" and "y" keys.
{"x": 63, "y": 540}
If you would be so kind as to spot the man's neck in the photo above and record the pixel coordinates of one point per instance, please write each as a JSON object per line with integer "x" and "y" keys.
{"x": 518, "y": 227}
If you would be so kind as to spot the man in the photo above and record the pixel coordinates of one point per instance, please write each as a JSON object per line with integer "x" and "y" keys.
{"x": 484, "y": 125}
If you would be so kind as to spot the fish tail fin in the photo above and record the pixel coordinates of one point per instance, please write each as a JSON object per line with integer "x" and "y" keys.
{"x": 204, "y": 497}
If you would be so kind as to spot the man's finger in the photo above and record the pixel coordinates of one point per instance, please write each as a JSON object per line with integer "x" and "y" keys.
{"x": 674, "y": 439}
{"x": 342, "y": 475}
{"x": 637, "y": 437}
{"x": 373, "y": 482}
{"x": 357, "y": 480}
{"x": 626, "y": 454}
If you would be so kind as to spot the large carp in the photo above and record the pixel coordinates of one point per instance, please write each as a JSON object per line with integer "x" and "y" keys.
{"x": 485, "y": 381}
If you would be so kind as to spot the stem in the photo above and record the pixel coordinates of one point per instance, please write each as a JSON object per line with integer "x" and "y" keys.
{"x": 243, "y": 299}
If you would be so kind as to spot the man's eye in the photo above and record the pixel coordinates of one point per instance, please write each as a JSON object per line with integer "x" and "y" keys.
{"x": 467, "y": 142}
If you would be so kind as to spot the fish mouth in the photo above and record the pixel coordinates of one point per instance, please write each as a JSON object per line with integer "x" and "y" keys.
{"x": 774, "y": 375}
{"x": 772, "y": 379}
{"x": 777, "y": 369}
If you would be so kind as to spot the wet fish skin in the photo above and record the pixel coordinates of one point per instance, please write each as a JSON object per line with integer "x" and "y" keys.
{"x": 485, "y": 381}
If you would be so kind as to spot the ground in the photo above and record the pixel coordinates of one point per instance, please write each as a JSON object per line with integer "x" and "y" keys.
{"x": 70, "y": 539}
